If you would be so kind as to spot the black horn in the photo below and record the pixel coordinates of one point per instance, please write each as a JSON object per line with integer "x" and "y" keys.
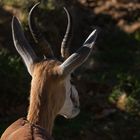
{"x": 67, "y": 37}
{"x": 37, "y": 35}
{"x": 77, "y": 58}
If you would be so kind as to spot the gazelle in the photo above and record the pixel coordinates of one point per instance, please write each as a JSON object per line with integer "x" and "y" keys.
{"x": 51, "y": 90}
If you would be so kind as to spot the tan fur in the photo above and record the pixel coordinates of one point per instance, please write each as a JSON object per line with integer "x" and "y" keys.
{"x": 47, "y": 94}
{"x": 51, "y": 90}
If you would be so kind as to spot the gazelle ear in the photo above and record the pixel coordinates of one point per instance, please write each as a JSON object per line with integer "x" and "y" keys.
{"x": 77, "y": 58}
{"x": 22, "y": 45}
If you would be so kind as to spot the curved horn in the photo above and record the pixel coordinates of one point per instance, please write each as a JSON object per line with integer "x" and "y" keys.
{"x": 77, "y": 58}
{"x": 22, "y": 45}
{"x": 37, "y": 35}
{"x": 67, "y": 37}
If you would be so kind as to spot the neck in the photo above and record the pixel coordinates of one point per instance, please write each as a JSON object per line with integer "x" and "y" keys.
{"x": 39, "y": 114}
{"x": 40, "y": 111}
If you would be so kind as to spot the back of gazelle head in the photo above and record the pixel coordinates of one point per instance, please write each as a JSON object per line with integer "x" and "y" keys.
{"x": 51, "y": 90}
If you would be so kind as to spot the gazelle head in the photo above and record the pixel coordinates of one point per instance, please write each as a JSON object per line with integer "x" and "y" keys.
{"x": 52, "y": 92}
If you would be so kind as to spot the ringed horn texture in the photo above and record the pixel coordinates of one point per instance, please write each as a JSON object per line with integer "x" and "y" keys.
{"x": 67, "y": 38}
{"x": 39, "y": 38}
{"x": 37, "y": 35}
{"x": 29, "y": 56}
{"x": 75, "y": 59}
{"x": 51, "y": 92}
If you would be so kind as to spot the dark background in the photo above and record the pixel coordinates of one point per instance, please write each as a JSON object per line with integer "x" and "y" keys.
{"x": 108, "y": 82}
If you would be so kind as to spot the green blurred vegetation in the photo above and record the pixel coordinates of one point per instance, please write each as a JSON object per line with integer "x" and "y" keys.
{"x": 108, "y": 83}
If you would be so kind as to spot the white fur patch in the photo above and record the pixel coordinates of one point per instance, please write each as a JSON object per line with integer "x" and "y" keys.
{"x": 71, "y": 105}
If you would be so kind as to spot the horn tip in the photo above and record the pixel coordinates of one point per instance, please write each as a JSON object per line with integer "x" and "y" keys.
{"x": 66, "y": 10}
{"x": 34, "y": 7}
{"x": 37, "y": 4}
{"x": 14, "y": 18}
{"x": 15, "y": 21}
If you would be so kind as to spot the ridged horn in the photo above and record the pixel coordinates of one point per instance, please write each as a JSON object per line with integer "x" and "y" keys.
{"x": 37, "y": 35}
{"x": 77, "y": 58}
{"x": 67, "y": 37}
{"x": 22, "y": 45}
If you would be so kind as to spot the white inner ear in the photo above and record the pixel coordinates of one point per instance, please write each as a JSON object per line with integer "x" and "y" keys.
{"x": 70, "y": 108}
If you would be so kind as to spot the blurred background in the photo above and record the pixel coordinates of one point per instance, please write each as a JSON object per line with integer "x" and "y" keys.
{"x": 108, "y": 82}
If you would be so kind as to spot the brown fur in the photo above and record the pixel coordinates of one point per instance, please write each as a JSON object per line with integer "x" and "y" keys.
{"x": 47, "y": 97}
{"x": 47, "y": 94}
{"x": 24, "y": 130}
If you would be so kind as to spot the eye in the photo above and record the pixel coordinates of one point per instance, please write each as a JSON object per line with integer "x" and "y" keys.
{"x": 72, "y": 81}
{"x": 73, "y": 78}
{"x": 73, "y": 75}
